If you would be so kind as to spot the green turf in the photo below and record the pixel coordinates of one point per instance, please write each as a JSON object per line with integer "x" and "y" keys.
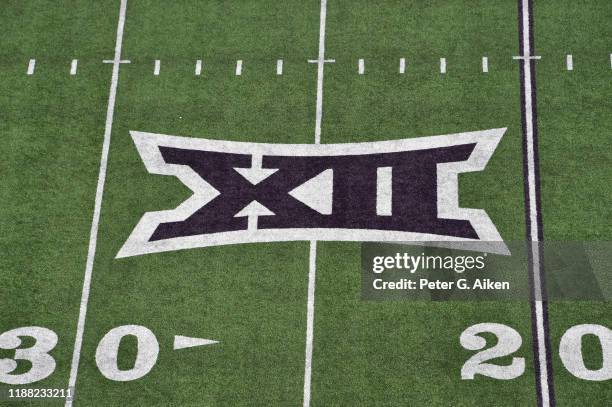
{"x": 575, "y": 128}
{"x": 51, "y": 126}
{"x": 252, "y": 297}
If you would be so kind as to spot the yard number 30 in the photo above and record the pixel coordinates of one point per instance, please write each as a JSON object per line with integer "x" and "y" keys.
{"x": 508, "y": 342}
{"x": 45, "y": 340}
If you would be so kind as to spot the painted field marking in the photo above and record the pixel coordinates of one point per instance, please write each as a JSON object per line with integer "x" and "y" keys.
{"x": 402, "y": 65}
{"x": 73, "y": 67}
{"x": 384, "y": 191}
{"x": 198, "y": 67}
{"x": 527, "y": 57}
{"x": 239, "y": 67}
{"x": 485, "y": 64}
{"x": 184, "y": 342}
{"x": 569, "y": 62}
{"x": 31, "y": 66}
{"x": 93, "y": 234}
{"x": 539, "y": 312}
{"x": 279, "y": 67}
{"x": 312, "y": 256}
{"x": 442, "y": 65}
{"x": 361, "y": 66}
{"x": 157, "y": 67}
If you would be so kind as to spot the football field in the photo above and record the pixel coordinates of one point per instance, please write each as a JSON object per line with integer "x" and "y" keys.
{"x": 98, "y": 100}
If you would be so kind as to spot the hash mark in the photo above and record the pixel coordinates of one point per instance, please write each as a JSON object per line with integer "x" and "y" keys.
{"x": 279, "y": 67}
{"x": 31, "y": 66}
{"x": 73, "y": 67}
{"x": 239, "y": 67}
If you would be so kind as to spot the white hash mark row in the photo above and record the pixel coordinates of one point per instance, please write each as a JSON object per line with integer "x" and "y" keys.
{"x": 361, "y": 66}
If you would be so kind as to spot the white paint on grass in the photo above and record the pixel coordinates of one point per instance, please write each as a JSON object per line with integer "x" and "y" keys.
{"x": 533, "y": 210}
{"x": 279, "y": 67}
{"x": 198, "y": 67}
{"x": 312, "y": 262}
{"x": 402, "y": 65}
{"x": 93, "y": 234}
{"x": 157, "y": 67}
{"x": 569, "y": 62}
{"x": 239, "y": 67}
{"x": 442, "y": 65}
{"x": 485, "y": 64}
{"x": 31, "y": 66}
{"x": 184, "y": 342}
{"x": 149, "y": 146}
{"x": 361, "y": 67}
{"x": 310, "y": 310}
{"x": 320, "y": 68}
{"x": 527, "y": 57}
{"x": 73, "y": 67}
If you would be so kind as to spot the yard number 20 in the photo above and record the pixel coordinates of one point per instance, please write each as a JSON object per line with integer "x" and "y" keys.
{"x": 509, "y": 341}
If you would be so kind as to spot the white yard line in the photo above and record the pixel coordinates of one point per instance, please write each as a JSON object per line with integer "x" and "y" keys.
{"x": 533, "y": 210}
{"x": 198, "y": 68}
{"x": 320, "y": 67}
{"x": 569, "y": 61}
{"x": 239, "y": 67}
{"x": 157, "y": 67}
{"x": 73, "y": 67}
{"x": 312, "y": 263}
{"x": 93, "y": 235}
{"x": 485, "y": 64}
{"x": 279, "y": 67}
{"x": 31, "y": 66}
{"x": 361, "y": 67}
{"x": 442, "y": 65}
{"x": 402, "y": 66}
{"x": 310, "y": 310}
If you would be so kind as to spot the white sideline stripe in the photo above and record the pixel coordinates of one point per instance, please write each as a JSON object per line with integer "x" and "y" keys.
{"x": 31, "y": 66}
{"x": 198, "y": 68}
{"x": 93, "y": 235}
{"x": 529, "y": 130}
{"x": 402, "y": 66}
{"x": 384, "y": 191}
{"x": 485, "y": 64}
{"x": 157, "y": 67}
{"x": 569, "y": 61}
{"x": 239, "y": 67}
{"x": 442, "y": 65}
{"x": 312, "y": 263}
{"x": 279, "y": 67}
{"x": 73, "y": 66}
{"x": 361, "y": 67}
